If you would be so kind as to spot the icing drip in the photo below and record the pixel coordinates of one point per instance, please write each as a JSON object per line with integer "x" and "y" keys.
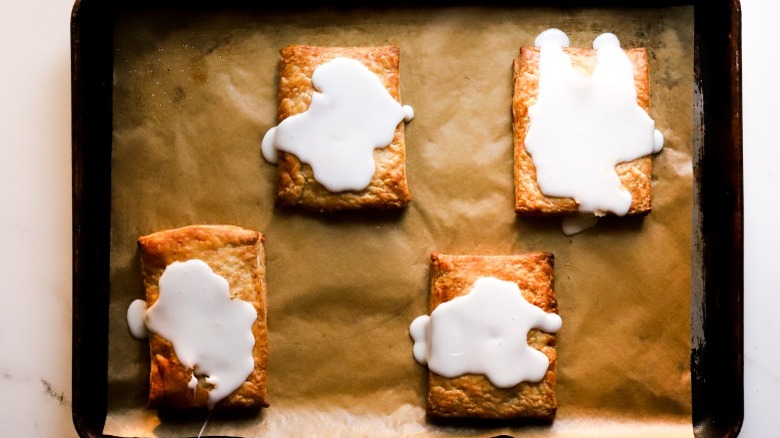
{"x": 136, "y": 315}
{"x": 578, "y": 223}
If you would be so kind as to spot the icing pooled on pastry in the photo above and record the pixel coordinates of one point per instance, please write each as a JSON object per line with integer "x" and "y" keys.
{"x": 210, "y": 332}
{"x": 350, "y": 115}
{"x": 582, "y": 126}
{"x": 484, "y": 332}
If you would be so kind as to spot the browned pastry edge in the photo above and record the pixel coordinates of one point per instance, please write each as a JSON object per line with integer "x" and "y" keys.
{"x": 296, "y": 185}
{"x": 634, "y": 175}
{"x": 237, "y": 255}
{"x": 473, "y": 395}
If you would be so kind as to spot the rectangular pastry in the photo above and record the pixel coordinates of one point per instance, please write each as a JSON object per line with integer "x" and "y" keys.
{"x": 296, "y": 185}
{"x": 473, "y": 395}
{"x": 236, "y": 255}
{"x": 634, "y": 175}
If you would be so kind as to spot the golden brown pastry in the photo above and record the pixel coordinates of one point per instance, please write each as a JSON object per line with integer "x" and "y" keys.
{"x": 474, "y": 395}
{"x": 233, "y": 253}
{"x": 296, "y": 185}
{"x": 634, "y": 175}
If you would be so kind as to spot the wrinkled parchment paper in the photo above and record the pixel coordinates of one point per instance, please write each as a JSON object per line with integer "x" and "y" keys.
{"x": 195, "y": 92}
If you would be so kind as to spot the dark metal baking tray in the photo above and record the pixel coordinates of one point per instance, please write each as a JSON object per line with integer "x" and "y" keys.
{"x": 717, "y": 265}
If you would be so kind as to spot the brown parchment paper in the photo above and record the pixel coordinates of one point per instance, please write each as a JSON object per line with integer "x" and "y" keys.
{"x": 194, "y": 92}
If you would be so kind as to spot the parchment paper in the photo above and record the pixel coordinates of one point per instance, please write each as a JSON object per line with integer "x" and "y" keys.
{"x": 195, "y": 92}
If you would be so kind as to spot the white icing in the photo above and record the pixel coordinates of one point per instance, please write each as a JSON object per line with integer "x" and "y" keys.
{"x": 552, "y": 36}
{"x": 210, "y": 332}
{"x": 420, "y": 332}
{"x": 484, "y": 332}
{"x": 135, "y": 319}
{"x": 267, "y": 146}
{"x": 658, "y": 141}
{"x": 408, "y": 113}
{"x": 578, "y": 223}
{"x": 193, "y": 383}
{"x": 350, "y": 115}
{"x": 205, "y": 422}
{"x": 604, "y": 40}
{"x": 582, "y": 126}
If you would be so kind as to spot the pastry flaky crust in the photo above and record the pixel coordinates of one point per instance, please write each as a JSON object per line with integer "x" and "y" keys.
{"x": 473, "y": 395}
{"x": 296, "y": 185}
{"x": 634, "y": 175}
{"x": 233, "y": 253}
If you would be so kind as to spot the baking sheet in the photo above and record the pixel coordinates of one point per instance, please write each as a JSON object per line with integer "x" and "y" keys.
{"x": 191, "y": 103}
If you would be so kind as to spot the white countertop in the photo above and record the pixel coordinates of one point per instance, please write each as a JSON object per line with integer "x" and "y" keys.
{"x": 35, "y": 241}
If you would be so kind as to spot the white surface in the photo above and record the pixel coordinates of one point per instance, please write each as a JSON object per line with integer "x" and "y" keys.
{"x": 35, "y": 249}
{"x": 761, "y": 95}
